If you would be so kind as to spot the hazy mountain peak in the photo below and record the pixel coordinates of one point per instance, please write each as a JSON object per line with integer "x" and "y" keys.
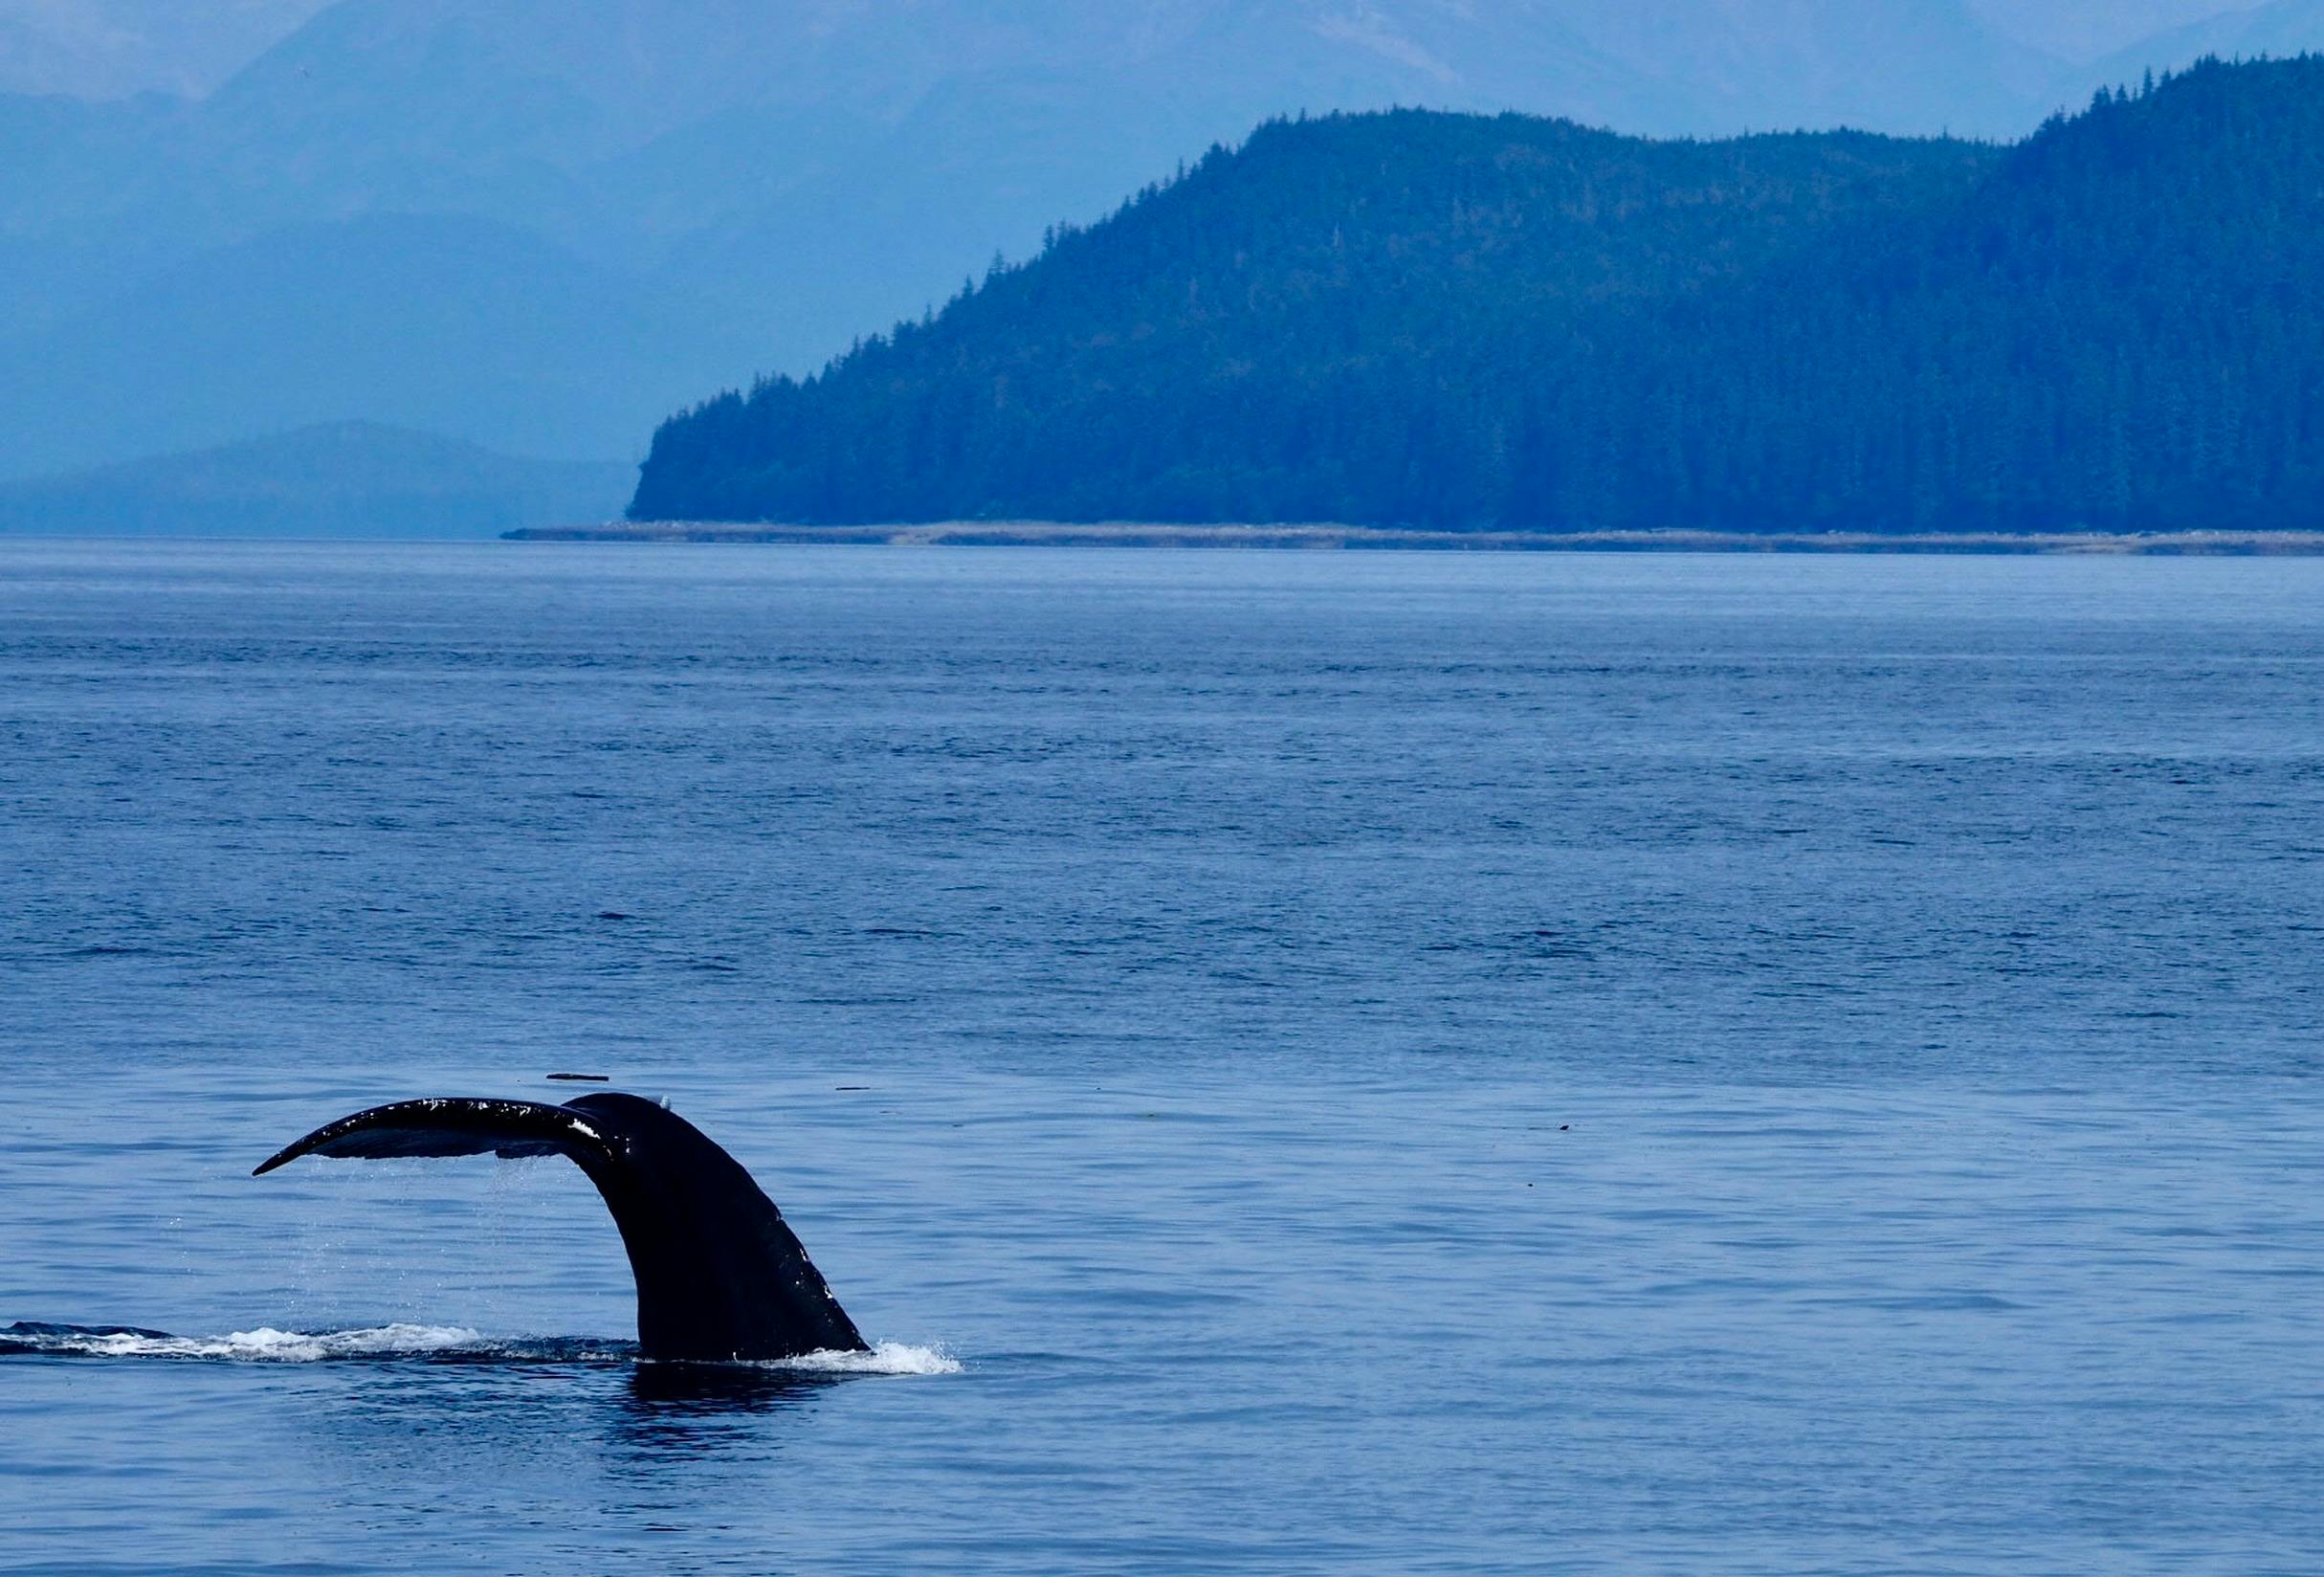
{"x": 110, "y": 48}
{"x": 335, "y": 478}
{"x": 1367, "y": 28}
{"x": 2080, "y": 30}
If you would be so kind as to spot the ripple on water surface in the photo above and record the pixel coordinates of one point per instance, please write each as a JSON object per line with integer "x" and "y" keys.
{"x": 1414, "y": 1063}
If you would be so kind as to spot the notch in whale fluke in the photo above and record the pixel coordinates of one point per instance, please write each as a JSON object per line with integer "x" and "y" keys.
{"x": 721, "y": 1276}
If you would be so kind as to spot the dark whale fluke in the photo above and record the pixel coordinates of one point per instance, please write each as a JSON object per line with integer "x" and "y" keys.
{"x": 720, "y": 1275}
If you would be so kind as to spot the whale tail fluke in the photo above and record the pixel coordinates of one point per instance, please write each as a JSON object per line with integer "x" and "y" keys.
{"x": 721, "y": 1276}
{"x": 509, "y": 1129}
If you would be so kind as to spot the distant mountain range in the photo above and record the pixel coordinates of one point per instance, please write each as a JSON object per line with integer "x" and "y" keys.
{"x": 338, "y": 479}
{"x": 540, "y": 225}
{"x": 1471, "y": 323}
{"x": 109, "y": 49}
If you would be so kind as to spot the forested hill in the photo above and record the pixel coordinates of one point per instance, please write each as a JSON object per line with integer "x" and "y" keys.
{"x": 1461, "y": 321}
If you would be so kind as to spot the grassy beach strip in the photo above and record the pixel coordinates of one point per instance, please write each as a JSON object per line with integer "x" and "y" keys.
{"x": 1134, "y": 534}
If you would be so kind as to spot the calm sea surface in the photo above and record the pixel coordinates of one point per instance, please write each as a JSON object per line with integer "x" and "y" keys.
{"x": 1312, "y": 1064}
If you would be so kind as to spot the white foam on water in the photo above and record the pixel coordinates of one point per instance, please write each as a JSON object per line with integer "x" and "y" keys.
{"x": 267, "y": 1344}
{"x": 886, "y": 1357}
{"x": 271, "y": 1345}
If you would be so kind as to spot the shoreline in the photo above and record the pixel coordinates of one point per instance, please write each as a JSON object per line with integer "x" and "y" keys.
{"x": 1351, "y": 538}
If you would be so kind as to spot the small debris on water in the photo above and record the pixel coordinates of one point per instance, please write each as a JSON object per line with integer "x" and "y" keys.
{"x": 612, "y": 914}
{"x": 583, "y": 1079}
{"x": 850, "y": 1086}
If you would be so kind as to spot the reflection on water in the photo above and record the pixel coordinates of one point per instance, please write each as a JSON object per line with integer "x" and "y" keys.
{"x": 677, "y": 1392}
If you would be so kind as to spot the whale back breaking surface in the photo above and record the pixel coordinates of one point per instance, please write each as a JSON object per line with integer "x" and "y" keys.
{"x": 721, "y": 1276}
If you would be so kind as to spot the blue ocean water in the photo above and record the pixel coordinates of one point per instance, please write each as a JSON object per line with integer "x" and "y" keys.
{"x": 1309, "y": 1063}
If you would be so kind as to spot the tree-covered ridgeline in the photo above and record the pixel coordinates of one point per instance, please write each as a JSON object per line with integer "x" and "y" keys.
{"x": 1462, "y": 321}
